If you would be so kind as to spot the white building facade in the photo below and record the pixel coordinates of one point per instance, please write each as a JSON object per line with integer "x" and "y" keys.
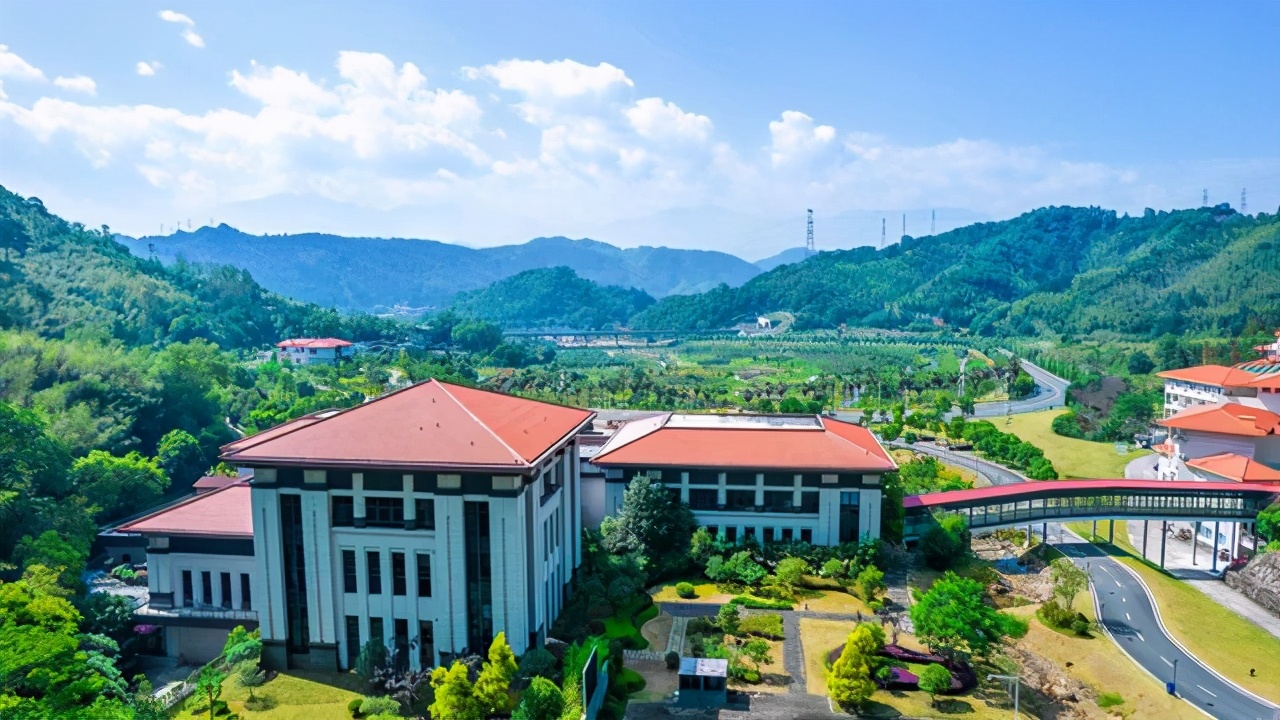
{"x": 431, "y": 541}
{"x": 308, "y": 351}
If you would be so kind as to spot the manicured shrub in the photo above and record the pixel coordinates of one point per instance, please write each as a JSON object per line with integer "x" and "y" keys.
{"x": 672, "y": 659}
{"x": 768, "y": 625}
{"x": 379, "y": 706}
{"x": 537, "y": 662}
{"x": 1080, "y": 627}
{"x": 1110, "y": 700}
{"x": 727, "y": 618}
{"x": 353, "y": 707}
{"x": 685, "y": 590}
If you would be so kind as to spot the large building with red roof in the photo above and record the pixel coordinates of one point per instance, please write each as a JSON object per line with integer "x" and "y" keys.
{"x": 774, "y": 477}
{"x": 431, "y": 519}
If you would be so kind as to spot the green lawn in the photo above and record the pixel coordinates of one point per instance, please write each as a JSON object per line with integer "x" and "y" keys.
{"x": 1227, "y": 642}
{"x": 1073, "y": 458}
{"x": 295, "y": 695}
{"x": 627, "y": 625}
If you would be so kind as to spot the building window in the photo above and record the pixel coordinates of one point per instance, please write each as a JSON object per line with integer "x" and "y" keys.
{"x": 246, "y": 597}
{"x": 401, "y": 628}
{"x": 713, "y": 530}
{"x": 206, "y": 588}
{"x": 806, "y": 535}
{"x": 373, "y": 557}
{"x": 740, "y": 499}
{"x": 426, "y": 644}
{"x": 188, "y": 593}
{"x": 768, "y": 535}
{"x": 479, "y": 577}
{"x": 703, "y": 499}
{"x": 384, "y": 512}
{"x": 398, "y": 574}
{"x": 748, "y": 532}
{"x": 424, "y": 513}
{"x": 353, "y": 640}
{"x": 376, "y": 631}
{"x": 424, "y": 575}
{"x": 779, "y": 501}
{"x": 740, "y": 478}
{"x": 343, "y": 511}
{"x": 293, "y": 547}
{"x": 226, "y": 590}
{"x": 704, "y": 477}
{"x": 731, "y": 533}
{"x": 787, "y": 534}
{"x": 349, "y": 571}
{"x": 809, "y": 502}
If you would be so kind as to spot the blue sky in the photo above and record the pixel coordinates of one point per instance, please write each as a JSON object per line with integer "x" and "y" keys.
{"x": 708, "y": 125}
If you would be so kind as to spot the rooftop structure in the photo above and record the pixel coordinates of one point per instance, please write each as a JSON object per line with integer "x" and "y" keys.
{"x": 304, "y": 351}
{"x": 1230, "y": 466}
{"x": 1227, "y": 419}
{"x": 429, "y": 425}
{"x": 765, "y": 442}
{"x": 222, "y": 512}
{"x": 317, "y": 343}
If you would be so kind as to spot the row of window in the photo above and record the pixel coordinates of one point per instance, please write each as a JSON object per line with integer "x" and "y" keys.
{"x": 767, "y": 534}
{"x": 774, "y": 500}
{"x": 382, "y": 512}
{"x": 399, "y": 578}
{"x": 206, "y": 590}
{"x": 399, "y": 641}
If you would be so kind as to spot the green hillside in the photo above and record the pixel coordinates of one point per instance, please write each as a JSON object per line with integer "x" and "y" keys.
{"x": 1057, "y": 270}
{"x": 552, "y": 298}
{"x": 60, "y": 279}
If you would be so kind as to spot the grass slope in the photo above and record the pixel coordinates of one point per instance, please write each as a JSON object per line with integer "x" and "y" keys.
{"x": 295, "y": 695}
{"x": 1072, "y": 457}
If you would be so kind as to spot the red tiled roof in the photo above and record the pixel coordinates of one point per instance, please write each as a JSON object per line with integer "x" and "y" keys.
{"x": 1215, "y": 375}
{"x": 1264, "y": 381}
{"x": 428, "y": 425}
{"x": 225, "y": 512}
{"x": 209, "y": 482}
{"x": 749, "y": 442}
{"x": 1014, "y": 492}
{"x": 1235, "y": 467}
{"x": 1226, "y": 418}
{"x": 314, "y": 343}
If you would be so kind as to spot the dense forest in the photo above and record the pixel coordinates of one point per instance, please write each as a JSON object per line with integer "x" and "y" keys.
{"x": 552, "y": 298}
{"x": 1072, "y": 271}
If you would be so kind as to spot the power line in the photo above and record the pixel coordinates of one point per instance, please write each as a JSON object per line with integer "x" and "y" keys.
{"x": 808, "y": 235}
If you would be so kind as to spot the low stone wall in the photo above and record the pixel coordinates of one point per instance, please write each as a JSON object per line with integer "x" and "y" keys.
{"x": 1259, "y": 581}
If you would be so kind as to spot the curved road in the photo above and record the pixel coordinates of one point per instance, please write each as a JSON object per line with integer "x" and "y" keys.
{"x": 1051, "y": 392}
{"x": 1126, "y": 612}
{"x": 995, "y": 474}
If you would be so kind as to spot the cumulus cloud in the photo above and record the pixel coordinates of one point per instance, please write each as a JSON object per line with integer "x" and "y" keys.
{"x": 192, "y": 38}
{"x": 557, "y": 79}
{"x": 176, "y": 17}
{"x": 147, "y": 68}
{"x": 13, "y": 66}
{"x": 374, "y": 135}
{"x": 79, "y": 83}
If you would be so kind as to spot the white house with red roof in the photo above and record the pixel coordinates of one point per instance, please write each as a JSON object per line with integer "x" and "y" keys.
{"x": 202, "y": 578}
{"x": 431, "y": 519}
{"x": 306, "y": 351}
{"x": 773, "y": 477}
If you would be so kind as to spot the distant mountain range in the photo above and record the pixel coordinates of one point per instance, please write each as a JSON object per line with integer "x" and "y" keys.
{"x": 373, "y": 273}
{"x": 786, "y": 257}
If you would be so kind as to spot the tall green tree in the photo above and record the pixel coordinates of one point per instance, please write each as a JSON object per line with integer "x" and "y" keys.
{"x": 850, "y": 684}
{"x": 651, "y": 522}
{"x": 455, "y": 697}
{"x": 493, "y": 686}
{"x": 119, "y": 486}
{"x": 1068, "y": 580}
{"x": 954, "y": 619}
{"x": 180, "y": 455}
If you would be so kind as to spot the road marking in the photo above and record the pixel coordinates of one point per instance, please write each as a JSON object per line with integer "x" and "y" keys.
{"x": 1117, "y": 582}
{"x": 1123, "y": 600}
{"x": 1140, "y": 638}
{"x": 1206, "y": 690}
{"x": 1126, "y": 617}
{"x": 1166, "y": 662}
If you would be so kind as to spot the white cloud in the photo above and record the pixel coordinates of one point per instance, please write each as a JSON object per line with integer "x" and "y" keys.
{"x": 654, "y": 119}
{"x": 369, "y": 138}
{"x": 79, "y": 83}
{"x": 192, "y": 38}
{"x": 13, "y": 66}
{"x": 147, "y": 68}
{"x": 558, "y": 79}
{"x": 176, "y": 17}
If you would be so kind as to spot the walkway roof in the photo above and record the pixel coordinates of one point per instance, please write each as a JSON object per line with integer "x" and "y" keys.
{"x": 1025, "y": 491}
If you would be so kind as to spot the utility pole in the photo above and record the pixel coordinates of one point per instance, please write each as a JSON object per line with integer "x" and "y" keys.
{"x": 1244, "y": 201}
{"x": 904, "y": 224}
{"x": 933, "y": 222}
{"x": 808, "y": 236}
{"x": 1204, "y": 198}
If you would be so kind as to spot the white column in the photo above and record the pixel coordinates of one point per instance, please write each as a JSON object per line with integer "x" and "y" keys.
{"x": 722, "y": 483}
{"x": 451, "y": 635}
{"x": 321, "y": 597}
{"x": 827, "y": 531}
{"x": 869, "y": 513}
{"x": 268, "y": 563}
{"x": 507, "y": 562}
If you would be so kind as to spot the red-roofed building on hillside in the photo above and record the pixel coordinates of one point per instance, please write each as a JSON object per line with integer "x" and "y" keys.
{"x": 201, "y": 574}
{"x": 304, "y": 351}
{"x": 430, "y": 518}
{"x": 774, "y": 477}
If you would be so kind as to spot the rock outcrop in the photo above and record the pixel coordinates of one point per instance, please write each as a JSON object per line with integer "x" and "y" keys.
{"x": 1259, "y": 581}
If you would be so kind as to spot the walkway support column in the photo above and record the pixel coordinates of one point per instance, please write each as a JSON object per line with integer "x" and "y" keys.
{"x": 1028, "y": 543}
{"x": 1144, "y": 538}
{"x": 1215, "y": 546}
{"x": 1111, "y": 533}
{"x": 1164, "y": 536}
{"x": 1195, "y": 543}
{"x": 1044, "y": 533}
{"x": 1094, "y": 535}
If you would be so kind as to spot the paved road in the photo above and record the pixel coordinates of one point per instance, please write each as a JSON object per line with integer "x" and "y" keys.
{"x": 995, "y": 474}
{"x": 1051, "y": 392}
{"x": 1128, "y": 615}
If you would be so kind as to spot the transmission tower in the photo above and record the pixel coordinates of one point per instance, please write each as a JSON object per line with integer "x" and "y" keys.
{"x": 808, "y": 235}
{"x": 1204, "y": 198}
{"x": 881, "y": 233}
{"x": 933, "y": 222}
{"x": 1244, "y": 201}
{"x": 904, "y": 224}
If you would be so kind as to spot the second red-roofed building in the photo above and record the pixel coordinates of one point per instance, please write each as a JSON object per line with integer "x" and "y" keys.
{"x": 772, "y": 477}
{"x": 308, "y": 351}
